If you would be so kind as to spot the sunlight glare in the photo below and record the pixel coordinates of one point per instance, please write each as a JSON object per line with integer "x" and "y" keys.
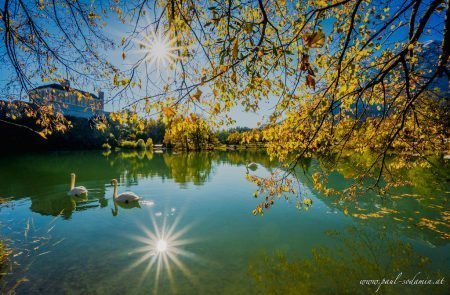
{"x": 161, "y": 246}
{"x": 158, "y": 49}
{"x": 162, "y": 249}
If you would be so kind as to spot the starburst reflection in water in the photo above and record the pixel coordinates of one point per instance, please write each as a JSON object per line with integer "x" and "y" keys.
{"x": 162, "y": 251}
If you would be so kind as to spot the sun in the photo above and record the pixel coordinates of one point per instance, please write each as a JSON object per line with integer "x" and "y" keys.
{"x": 158, "y": 49}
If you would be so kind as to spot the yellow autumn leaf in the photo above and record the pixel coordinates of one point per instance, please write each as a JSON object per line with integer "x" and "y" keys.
{"x": 168, "y": 112}
{"x": 315, "y": 40}
{"x": 42, "y": 134}
{"x": 216, "y": 108}
{"x": 233, "y": 77}
{"x": 235, "y": 48}
{"x": 197, "y": 95}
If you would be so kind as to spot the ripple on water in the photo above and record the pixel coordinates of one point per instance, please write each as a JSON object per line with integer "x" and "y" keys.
{"x": 147, "y": 203}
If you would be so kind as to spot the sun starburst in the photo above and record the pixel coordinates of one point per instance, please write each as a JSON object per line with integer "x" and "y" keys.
{"x": 161, "y": 250}
{"x": 158, "y": 49}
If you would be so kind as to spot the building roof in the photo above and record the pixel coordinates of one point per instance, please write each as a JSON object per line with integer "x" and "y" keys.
{"x": 65, "y": 88}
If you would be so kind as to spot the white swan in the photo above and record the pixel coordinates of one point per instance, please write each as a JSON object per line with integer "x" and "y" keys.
{"x": 251, "y": 165}
{"x": 79, "y": 191}
{"x": 125, "y": 197}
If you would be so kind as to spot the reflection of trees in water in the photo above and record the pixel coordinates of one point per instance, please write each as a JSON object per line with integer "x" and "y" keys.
{"x": 25, "y": 174}
{"x": 43, "y": 177}
{"x": 417, "y": 210}
{"x": 63, "y": 205}
{"x": 57, "y": 205}
{"x": 421, "y": 180}
{"x": 182, "y": 167}
{"x": 190, "y": 167}
{"x": 352, "y": 170}
{"x": 134, "y": 164}
{"x": 240, "y": 158}
{"x": 360, "y": 253}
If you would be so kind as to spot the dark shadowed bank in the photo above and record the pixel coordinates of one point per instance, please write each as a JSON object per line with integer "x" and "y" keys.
{"x": 21, "y": 133}
{"x": 82, "y": 135}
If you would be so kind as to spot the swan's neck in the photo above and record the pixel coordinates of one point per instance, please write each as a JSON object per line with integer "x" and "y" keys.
{"x": 72, "y": 182}
{"x": 115, "y": 192}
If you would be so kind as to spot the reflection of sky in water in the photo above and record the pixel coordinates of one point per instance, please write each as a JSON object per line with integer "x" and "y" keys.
{"x": 199, "y": 205}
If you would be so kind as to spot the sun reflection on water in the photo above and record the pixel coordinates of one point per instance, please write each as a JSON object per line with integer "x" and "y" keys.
{"x": 161, "y": 246}
{"x": 161, "y": 251}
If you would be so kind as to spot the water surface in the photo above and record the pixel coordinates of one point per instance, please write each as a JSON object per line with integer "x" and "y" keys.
{"x": 201, "y": 204}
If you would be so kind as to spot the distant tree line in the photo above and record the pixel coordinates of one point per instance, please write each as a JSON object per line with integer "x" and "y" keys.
{"x": 224, "y": 135}
{"x": 123, "y": 130}
{"x": 131, "y": 129}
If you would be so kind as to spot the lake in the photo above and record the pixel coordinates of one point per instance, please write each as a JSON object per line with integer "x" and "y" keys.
{"x": 193, "y": 231}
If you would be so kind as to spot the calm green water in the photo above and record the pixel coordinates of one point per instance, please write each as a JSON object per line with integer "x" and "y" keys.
{"x": 201, "y": 204}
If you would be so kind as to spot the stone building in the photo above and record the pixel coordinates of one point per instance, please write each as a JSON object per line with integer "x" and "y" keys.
{"x": 70, "y": 101}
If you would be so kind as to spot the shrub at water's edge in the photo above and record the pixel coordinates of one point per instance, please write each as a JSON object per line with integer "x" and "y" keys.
{"x": 127, "y": 144}
{"x": 106, "y": 146}
{"x": 140, "y": 144}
